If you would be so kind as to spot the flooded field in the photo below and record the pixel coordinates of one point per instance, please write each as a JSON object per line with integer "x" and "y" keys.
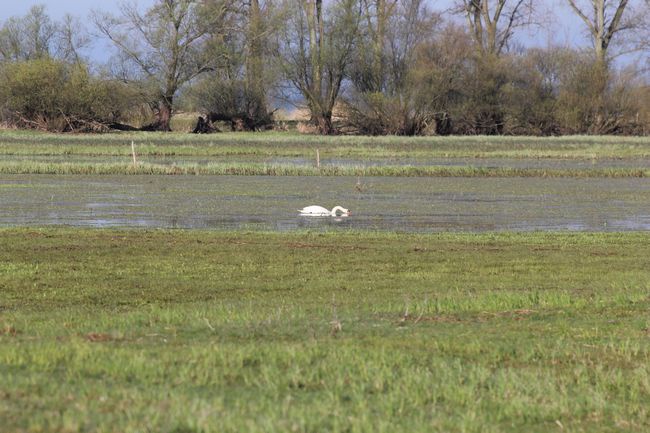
{"x": 378, "y": 203}
{"x": 519, "y": 163}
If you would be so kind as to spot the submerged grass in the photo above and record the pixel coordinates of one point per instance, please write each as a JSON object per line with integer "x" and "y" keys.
{"x": 262, "y": 169}
{"x": 117, "y": 330}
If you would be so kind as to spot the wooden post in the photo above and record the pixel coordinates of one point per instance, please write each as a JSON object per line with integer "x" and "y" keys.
{"x": 133, "y": 152}
{"x": 317, "y": 159}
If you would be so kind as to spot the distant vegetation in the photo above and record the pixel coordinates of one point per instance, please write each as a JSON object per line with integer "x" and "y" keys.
{"x": 379, "y": 67}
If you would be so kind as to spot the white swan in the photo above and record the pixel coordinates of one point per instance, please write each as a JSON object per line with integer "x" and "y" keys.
{"x": 321, "y": 211}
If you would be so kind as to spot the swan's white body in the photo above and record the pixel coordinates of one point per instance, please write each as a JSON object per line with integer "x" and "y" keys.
{"x": 321, "y": 211}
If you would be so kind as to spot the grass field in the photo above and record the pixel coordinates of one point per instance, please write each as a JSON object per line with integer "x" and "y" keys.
{"x": 263, "y": 169}
{"x": 181, "y": 331}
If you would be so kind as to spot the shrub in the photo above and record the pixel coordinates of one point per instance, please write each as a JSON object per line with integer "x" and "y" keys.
{"x": 54, "y": 95}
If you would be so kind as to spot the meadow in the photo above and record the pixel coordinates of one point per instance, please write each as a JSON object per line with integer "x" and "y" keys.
{"x": 179, "y": 331}
{"x": 342, "y": 330}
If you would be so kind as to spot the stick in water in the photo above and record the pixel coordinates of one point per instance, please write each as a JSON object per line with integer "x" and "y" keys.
{"x": 133, "y": 152}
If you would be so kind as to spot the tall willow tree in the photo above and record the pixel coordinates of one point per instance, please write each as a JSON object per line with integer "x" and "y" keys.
{"x": 316, "y": 49}
{"x": 604, "y": 19}
{"x": 607, "y": 22}
{"x": 239, "y": 86}
{"x": 163, "y": 46}
{"x": 36, "y": 36}
{"x": 386, "y": 99}
{"x": 491, "y": 24}
{"x": 255, "y": 60}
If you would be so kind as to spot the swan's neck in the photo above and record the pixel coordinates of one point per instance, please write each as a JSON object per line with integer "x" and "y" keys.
{"x": 336, "y": 209}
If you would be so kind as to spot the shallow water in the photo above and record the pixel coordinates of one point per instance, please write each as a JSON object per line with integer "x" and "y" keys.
{"x": 520, "y": 163}
{"x": 377, "y": 203}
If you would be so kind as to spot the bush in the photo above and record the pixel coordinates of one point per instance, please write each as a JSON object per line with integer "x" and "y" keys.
{"x": 57, "y": 96}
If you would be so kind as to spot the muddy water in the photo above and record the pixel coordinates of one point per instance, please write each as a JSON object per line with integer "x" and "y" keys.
{"x": 378, "y": 203}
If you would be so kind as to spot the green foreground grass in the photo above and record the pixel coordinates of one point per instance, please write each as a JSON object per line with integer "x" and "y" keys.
{"x": 117, "y": 330}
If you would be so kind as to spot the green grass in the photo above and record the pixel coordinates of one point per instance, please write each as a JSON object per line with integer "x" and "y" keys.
{"x": 118, "y": 330}
{"x": 263, "y": 169}
{"x": 292, "y": 144}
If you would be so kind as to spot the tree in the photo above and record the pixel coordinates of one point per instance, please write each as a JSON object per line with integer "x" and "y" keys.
{"x": 607, "y": 22}
{"x": 255, "y": 59}
{"x": 603, "y": 23}
{"x": 237, "y": 88}
{"x": 315, "y": 52}
{"x": 493, "y": 22}
{"x": 72, "y": 38}
{"x": 55, "y": 95}
{"x": 164, "y": 46}
{"x": 37, "y": 36}
{"x": 29, "y": 37}
{"x": 386, "y": 98}
{"x": 378, "y": 15}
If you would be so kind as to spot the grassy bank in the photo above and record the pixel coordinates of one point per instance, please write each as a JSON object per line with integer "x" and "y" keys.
{"x": 263, "y": 169}
{"x": 24, "y": 152}
{"x": 203, "y": 331}
{"x": 290, "y": 144}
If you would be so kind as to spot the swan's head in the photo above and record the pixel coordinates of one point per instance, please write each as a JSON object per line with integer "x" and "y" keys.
{"x": 339, "y": 210}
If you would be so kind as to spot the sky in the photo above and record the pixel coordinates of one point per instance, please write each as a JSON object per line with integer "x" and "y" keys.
{"x": 58, "y": 8}
{"x": 55, "y": 8}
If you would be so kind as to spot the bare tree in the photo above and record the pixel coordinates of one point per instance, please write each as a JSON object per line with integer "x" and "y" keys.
{"x": 493, "y": 22}
{"x": 608, "y": 22}
{"x": 255, "y": 58}
{"x": 386, "y": 97}
{"x": 164, "y": 45}
{"x": 604, "y": 19}
{"x": 377, "y": 14}
{"x": 316, "y": 50}
{"x": 72, "y": 38}
{"x": 29, "y": 37}
{"x": 237, "y": 89}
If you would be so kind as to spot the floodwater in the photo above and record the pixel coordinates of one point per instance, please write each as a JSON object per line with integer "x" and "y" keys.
{"x": 377, "y": 203}
{"x": 518, "y": 163}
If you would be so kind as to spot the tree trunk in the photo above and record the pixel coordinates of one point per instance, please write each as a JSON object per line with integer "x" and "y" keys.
{"x": 323, "y": 122}
{"x": 164, "y": 115}
{"x": 255, "y": 62}
{"x": 378, "y": 48}
{"x": 314, "y": 22}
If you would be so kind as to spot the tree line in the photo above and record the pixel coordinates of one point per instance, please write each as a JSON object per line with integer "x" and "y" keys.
{"x": 357, "y": 66}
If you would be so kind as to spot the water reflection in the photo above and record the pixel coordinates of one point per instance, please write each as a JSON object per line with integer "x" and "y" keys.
{"x": 271, "y": 203}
